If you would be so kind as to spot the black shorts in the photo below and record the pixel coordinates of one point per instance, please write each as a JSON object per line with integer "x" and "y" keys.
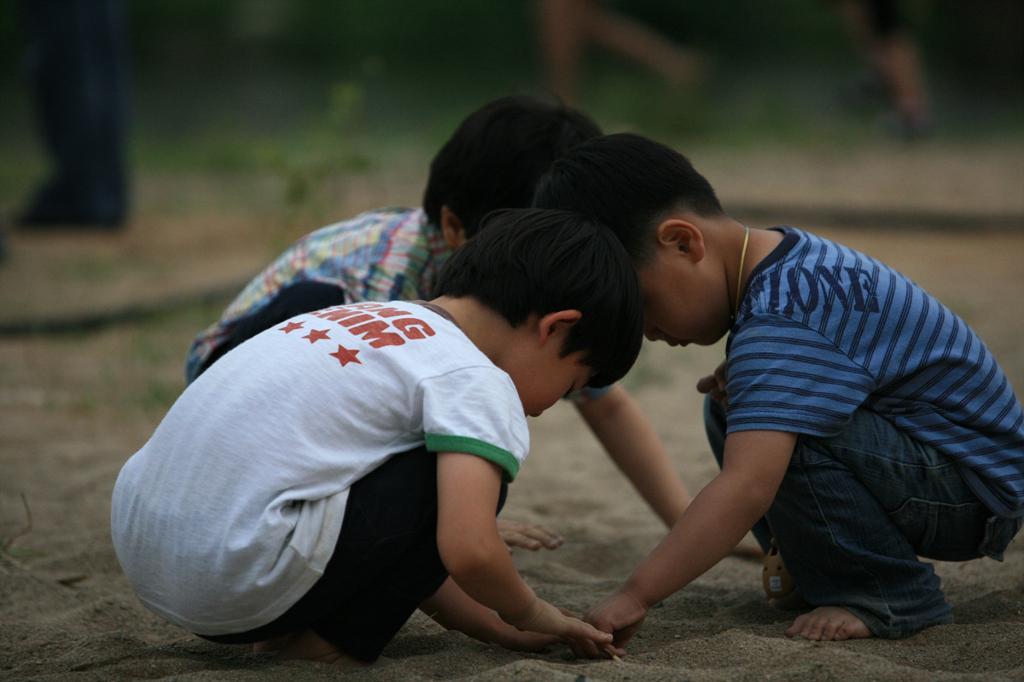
{"x": 384, "y": 565}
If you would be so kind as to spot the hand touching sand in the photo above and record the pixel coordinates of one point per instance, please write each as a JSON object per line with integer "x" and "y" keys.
{"x": 543, "y": 617}
{"x": 528, "y": 536}
{"x": 620, "y": 614}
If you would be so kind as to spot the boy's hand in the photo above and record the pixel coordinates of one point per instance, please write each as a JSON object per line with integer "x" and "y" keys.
{"x": 455, "y": 610}
{"x": 519, "y": 640}
{"x": 621, "y": 614}
{"x": 543, "y": 617}
{"x": 528, "y": 536}
{"x": 714, "y": 385}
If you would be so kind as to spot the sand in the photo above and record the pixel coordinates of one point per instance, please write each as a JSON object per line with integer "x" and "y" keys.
{"x": 74, "y": 407}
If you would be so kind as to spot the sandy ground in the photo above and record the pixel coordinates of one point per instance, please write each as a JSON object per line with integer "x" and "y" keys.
{"x": 74, "y": 407}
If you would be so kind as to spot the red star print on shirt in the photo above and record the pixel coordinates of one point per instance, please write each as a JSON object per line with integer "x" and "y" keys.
{"x": 315, "y": 335}
{"x": 346, "y": 356}
{"x": 290, "y": 327}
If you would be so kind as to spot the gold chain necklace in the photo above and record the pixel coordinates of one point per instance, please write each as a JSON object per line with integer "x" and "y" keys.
{"x": 739, "y": 275}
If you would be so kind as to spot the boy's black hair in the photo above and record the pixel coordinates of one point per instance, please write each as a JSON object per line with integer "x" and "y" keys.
{"x": 496, "y": 155}
{"x": 532, "y": 261}
{"x": 627, "y": 182}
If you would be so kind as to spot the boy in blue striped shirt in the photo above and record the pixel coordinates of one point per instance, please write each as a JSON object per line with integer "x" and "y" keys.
{"x": 858, "y": 421}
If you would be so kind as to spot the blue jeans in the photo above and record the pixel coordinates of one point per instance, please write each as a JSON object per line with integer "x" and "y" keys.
{"x": 855, "y": 511}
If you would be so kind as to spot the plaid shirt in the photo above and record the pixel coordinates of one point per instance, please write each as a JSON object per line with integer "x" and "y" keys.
{"x": 385, "y": 255}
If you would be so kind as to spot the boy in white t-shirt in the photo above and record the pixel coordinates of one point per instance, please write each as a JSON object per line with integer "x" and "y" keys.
{"x": 335, "y": 472}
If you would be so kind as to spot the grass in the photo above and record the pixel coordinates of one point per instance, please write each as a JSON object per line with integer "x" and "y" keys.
{"x": 318, "y": 124}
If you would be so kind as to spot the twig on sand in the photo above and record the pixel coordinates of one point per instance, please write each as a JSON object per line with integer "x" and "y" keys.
{"x": 24, "y": 531}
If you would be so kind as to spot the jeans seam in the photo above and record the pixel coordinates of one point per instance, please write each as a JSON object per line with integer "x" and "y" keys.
{"x": 832, "y": 535}
{"x": 909, "y": 465}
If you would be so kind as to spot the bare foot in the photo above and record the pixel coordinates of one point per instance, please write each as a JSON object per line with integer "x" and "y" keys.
{"x": 272, "y": 645}
{"x": 306, "y": 645}
{"x": 828, "y": 623}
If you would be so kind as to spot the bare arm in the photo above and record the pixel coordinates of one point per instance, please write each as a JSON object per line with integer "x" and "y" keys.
{"x": 453, "y": 609}
{"x": 476, "y": 558}
{"x": 755, "y": 462}
{"x": 630, "y": 440}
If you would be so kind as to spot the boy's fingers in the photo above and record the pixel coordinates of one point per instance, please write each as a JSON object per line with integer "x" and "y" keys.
{"x": 584, "y": 631}
{"x": 625, "y": 634}
{"x": 719, "y": 383}
{"x": 612, "y": 651}
{"x": 797, "y": 625}
{"x": 539, "y": 642}
{"x": 528, "y": 536}
{"x": 521, "y": 541}
{"x": 714, "y": 386}
{"x": 587, "y": 648}
{"x": 545, "y": 536}
{"x": 707, "y": 384}
{"x": 583, "y": 648}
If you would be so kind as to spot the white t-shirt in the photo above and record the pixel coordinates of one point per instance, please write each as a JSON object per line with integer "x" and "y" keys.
{"x": 231, "y": 511}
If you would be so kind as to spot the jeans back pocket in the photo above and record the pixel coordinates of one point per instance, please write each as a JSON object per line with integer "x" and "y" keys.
{"x": 999, "y": 533}
{"x": 946, "y": 532}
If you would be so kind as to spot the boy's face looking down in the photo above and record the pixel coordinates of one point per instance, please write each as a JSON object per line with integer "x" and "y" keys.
{"x": 685, "y": 300}
{"x": 541, "y": 373}
{"x": 666, "y": 215}
{"x": 550, "y": 297}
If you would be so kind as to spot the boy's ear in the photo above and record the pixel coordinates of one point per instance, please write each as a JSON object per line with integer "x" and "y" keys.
{"x": 452, "y": 229}
{"x": 681, "y": 236}
{"x": 552, "y": 324}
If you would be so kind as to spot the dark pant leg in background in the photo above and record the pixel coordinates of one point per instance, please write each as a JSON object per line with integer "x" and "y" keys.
{"x": 304, "y": 297}
{"x": 76, "y": 64}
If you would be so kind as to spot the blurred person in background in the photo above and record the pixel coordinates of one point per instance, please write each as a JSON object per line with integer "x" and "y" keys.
{"x": 880, "y": 29}
{"x": 566, "y": 26}
{"x": 76, "y": 63}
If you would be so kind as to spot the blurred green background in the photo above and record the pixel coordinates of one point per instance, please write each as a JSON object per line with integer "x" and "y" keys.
{"x": 240, "y": 84}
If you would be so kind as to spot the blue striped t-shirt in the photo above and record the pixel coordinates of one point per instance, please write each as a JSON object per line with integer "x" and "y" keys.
{"x": 824, "y": 330}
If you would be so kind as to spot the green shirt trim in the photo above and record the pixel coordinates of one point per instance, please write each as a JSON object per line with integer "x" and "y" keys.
{"x": 492, "y": 453}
